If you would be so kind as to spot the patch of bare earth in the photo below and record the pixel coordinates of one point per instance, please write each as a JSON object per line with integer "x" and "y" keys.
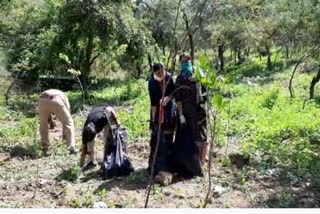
{"x": 237, "y": 185}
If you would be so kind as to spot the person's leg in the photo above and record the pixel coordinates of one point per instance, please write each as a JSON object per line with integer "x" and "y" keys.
{"x": 164, "y": 176}
{"x": 201, "y": 140}
{"x": 92, "y": 152}
{"x": 64, "y": 116}
{"x": 84, "y": 152}
{"x": 44, "y": 114}
{"x": 151, "y": 154}
{"x": 51, "y": 122}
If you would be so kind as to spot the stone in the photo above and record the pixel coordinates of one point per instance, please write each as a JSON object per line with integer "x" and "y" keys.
{"x": 99, "y": 204}
{"x": 218, "y": 191}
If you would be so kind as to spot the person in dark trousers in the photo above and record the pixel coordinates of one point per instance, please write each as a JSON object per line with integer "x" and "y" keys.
{"x": 162, "y": 112}
{"x": 191, "y": 98}
{"x": 101, "y": 118}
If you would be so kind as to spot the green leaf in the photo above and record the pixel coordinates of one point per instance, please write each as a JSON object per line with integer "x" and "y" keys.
{"x": 204, "y": 61}
{"x": 224, "y": 104}
{"x": 74, "y": 72}
{"x": 217, "y": 100}
{"x": 64, "y": 57}
{"x": 228, "y": 79}
{"x": 197, "y": 74}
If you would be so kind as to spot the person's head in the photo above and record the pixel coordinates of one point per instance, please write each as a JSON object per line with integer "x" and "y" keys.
{"x": 185, "y": 57}
{"x": 186, "y": 64}
{"x": 158, "y": 70}
{"x": 88, "y": 133}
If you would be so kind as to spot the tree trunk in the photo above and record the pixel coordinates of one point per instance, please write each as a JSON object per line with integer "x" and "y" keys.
{"x": 287, "y": 52}
{"x": 190, "y": 36}
{"x": 163, "y": 50}
{"x": 235, "y": 56}
{"x": 260, "y": 54}
{"x": 139, "y": 69}
{"x": 268, "y": 52}
{"x": 150, "y": 62}
{"x": 86, "y": 66}
{"x": 221, "y": 60}
{"x": 239, "y": 56}
{"x": 314, "y": 81}
{"x": 247, "y": 52}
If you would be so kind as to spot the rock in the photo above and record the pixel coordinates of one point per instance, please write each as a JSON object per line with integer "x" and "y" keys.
{"x": 163, "y": 178}
{"x": 167, "y": 193}
{"x": 99, "y": 204}
{"x": 307, "y": 203}
{"x": 181, "y": 197}
{"x": 218, "y": 191}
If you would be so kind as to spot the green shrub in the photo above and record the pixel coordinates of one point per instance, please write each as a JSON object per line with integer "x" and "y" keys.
{"x": 71, "y": 174}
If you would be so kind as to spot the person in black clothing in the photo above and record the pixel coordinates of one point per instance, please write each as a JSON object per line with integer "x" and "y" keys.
{"x": 162, "y": 112}
{"x": 100, "y": 118}
{"x": 191, "y": 136}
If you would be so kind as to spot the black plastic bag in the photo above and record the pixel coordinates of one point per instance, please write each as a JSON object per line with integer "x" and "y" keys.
{"x": 116, "y": 161}
{"x": 185, "y": 159}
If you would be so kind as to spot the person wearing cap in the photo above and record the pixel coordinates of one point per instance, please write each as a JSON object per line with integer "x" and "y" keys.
{"x": 50, "y": 102}
{"x": 162, "y": 114}
{"x": 190, "y": 100}
{"x": 101, "y": 118}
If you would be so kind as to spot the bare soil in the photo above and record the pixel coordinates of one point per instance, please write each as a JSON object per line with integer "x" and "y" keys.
{"x": 237, "y": 185}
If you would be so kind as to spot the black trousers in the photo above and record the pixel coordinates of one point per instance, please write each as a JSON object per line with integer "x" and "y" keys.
{"x": 163, "y": 162}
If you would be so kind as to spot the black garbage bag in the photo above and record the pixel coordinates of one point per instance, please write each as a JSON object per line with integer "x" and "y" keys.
{"x": 116, "y": 162}
{"x": 185, "y": 159}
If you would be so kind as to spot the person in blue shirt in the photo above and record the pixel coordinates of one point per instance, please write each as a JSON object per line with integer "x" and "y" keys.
{"x": 162, "y": 112}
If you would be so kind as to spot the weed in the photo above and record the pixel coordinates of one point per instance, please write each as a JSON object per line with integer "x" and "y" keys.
{"x": 103, "y": 193}
{"x": 137, "y": 177}
{"x": 71, "y": 174}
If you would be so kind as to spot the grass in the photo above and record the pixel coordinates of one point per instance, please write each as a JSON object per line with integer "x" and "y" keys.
{"x": 274, "y": 127}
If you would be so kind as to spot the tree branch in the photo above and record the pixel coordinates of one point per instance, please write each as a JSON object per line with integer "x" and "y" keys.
{"x": 305, "y": 55}
{"x": 199, "y": 12}
{"x": 94, "y": 58}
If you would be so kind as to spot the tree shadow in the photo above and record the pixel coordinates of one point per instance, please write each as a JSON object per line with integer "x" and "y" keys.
{"x": 71, "y": 175}
{"x": 317, "y": 100}
{"x": 28, "y": 152}
{"x": 135, "y": 181}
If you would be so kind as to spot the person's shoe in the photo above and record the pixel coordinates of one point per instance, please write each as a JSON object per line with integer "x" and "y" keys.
{"x": 163, "y": 178}
{"x": 73, "y": 150}
{"x": 89, "y": 166}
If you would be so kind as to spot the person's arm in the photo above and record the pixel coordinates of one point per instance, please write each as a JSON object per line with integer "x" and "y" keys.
{"x": 180, "y": 108}
{"x": 153, "y": 101}
{"x": 114, "y": 116}
{"x": 153, "y": 113}
{"x": 169, "y": 90}
{"x": 178, "y": 97}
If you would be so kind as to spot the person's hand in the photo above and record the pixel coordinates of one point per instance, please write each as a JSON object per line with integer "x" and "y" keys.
{"x": 182, "y": 120}
{"x": 165, "y": 101}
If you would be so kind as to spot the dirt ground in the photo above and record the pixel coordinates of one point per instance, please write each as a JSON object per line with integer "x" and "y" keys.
{"x": 238, "y": 185}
